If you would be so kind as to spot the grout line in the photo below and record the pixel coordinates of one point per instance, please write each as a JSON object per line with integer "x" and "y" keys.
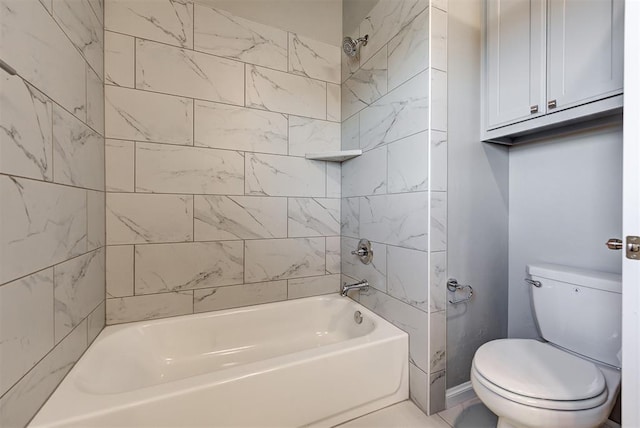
{"x": 209, "y": 101}
{"x": 133, "y": 280}
{"x": 6, "y": 393}
{"x": 225, "y": 58}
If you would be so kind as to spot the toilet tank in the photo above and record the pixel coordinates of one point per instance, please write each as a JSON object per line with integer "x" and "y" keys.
{"x": 579, "y": 310}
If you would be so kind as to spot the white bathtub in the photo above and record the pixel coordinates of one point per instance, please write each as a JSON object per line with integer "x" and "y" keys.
{"x": 294, "y": 363}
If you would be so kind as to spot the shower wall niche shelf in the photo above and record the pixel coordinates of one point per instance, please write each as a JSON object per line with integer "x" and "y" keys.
{"x": 337, "y": 156}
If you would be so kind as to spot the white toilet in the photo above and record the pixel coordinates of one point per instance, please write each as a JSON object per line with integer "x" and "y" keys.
{"x": 573, "y": 379}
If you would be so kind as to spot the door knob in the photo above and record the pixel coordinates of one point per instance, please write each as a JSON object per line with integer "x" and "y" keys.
{"x": 614, "y": 244}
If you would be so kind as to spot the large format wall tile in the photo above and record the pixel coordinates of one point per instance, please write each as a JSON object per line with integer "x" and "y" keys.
{"x": 80, "y": 23}
{"x": 41, "y": 224}
{"x": 408, "y": 162}
{"x": 140, "y": 218}
{"x": 438, "y": 100}
{"x": 408, "y": 276}
{"x": 313, "y": 286}
{"x": 333, "y": 254}
{"x": 366, "y": 174}
{"x": 409, "y": 51}
{"x": 405, "y": 317}
{"x": 213, "y": 299}
{"x": 385, "y": 20}
{"x": 366, "y": 85}
{"x": 78, "y": 152}
{"x": 375, "y": 272}
{"x": 96, "y": 229}
{"x": 438, "y": 283}
{"x": 333, "y": 102}
{"x": 438, "y": 160}
{"x": 160, "y": 268}
{"x": 119, "y": 66}
{"x": 438, "y": 38}
{"x": 95, "y": 101}
{"x": 284, "y": 176}
{"x": 314, "y": 59}
{"x": 171, "y": 70}
{"x": 418, "y": 387}
{"x": 26, "y": 311}
{"x": 222, "y": 34}
{"x": 26, "y": 147}
{"x": 437, "y": 341}
{"x": 438, "y": 221}
{"x": 38, "y": 49}
{"x": 96, "y": 321}
{"x": 312, "y": 136}
{"x": 350, "y": 133}
{"x": 269, "y": 260}
{"x": 128, "y": 116}
{"x": 119, "y": 165}
{"x": 79, "y": 286}
{"x": 98, "y": 9}
{"x": 119, "y": 271}
{"x": 239, "y": 217}
{"x": 164, "y": 168}
{"x": 148, "y": 307}
{"x": 237, "y": 128}
{"x": 350, "y": 217}
{"x": 22, "y": 401}
{"x": 166, "y": 21}
{"x": 399, "y": 219}
{"x": 314, "y": 217}
{"x": 277, "y": 91}
{"x": 334, "y": 179}
{"x": 402, "y": 112}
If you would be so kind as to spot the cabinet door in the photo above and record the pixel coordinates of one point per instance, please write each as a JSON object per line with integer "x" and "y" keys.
{"x": 514, "y": 61}
{"x": 584, "y": 51}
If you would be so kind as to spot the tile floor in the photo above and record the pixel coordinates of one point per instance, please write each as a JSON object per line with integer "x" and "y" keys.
{"x": 469, "y": 414}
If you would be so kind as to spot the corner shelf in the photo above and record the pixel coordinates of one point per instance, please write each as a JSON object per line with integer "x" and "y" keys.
{"x": 337, "y": 156}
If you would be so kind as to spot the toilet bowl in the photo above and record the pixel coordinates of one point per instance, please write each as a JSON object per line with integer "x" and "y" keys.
{"x": 572, "y": 379}
{"x": 527, "y": 383}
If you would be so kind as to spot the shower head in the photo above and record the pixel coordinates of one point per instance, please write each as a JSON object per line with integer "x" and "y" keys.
{"x": 350, "y": 46}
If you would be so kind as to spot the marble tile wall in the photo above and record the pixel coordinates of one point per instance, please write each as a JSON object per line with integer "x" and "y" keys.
{"x": 210, "y": 201}
{"x": 394, "y": 108}
{"x": 52, "y": 199}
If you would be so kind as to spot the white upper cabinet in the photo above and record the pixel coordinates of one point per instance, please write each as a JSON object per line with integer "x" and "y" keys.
{"x": 515, "y": 61}
{"x": 549, "y": 63}
{"x": 584, "y": 51}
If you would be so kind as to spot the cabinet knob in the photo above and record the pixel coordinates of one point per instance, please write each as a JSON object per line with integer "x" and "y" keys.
{"x": 534, "y": 109}
{"x": 552, "y": 104}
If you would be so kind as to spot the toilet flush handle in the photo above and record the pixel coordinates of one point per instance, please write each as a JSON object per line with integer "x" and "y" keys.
{"x": 533, "y": 282}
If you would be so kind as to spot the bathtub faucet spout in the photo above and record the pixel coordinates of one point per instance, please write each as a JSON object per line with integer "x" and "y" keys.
{"x": 362, "y": 285}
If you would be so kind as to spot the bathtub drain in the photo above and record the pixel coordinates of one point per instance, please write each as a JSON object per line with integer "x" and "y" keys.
{"x": 357, "y": 317}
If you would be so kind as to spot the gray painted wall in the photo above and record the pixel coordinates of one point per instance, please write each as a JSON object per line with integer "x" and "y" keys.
{"x": 478, "y": 202}
{"x": 565, "y": 200}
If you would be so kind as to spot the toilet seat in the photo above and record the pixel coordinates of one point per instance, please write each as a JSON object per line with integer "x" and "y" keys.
{"x": 537, "y": 374}
{"x": 539, "y": 402}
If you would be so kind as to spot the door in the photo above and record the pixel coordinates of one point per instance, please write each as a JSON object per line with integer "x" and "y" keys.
{"x": 631, "y": 220}
{"x": 584, "y": 51}
{"x": 515, "y": 61}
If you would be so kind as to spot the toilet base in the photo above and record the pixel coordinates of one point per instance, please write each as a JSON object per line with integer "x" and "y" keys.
{"x": 515, "y": 415}
{"x": 504, "y": 423}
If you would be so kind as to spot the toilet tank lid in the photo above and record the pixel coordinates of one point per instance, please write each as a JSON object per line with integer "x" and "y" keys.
{"x": 582, "y": 277}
